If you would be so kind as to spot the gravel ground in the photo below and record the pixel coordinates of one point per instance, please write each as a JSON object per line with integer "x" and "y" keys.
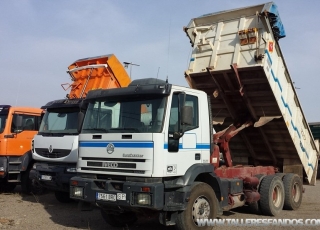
{"x": 19, "y": 211}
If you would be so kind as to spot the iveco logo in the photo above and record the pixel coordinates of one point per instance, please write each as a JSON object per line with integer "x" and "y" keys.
{"x": 110, "y": 164}
{"x": 50, "y": 149}
{"x": 110, "y": 148}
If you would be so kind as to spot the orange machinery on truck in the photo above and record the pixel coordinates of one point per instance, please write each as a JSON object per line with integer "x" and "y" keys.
{"x": 18, "y": 125}
{"x": 55, "y": 147}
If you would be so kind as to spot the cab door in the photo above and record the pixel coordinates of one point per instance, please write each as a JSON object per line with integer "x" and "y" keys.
{"x": 23, "y": 127}
{"x": 185, "y": 150}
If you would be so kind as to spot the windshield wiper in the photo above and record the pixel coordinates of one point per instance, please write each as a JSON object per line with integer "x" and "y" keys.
{"x": 98, "y": 129}
{"x": 51, "y": 134}
{"x": 128, "y": 128}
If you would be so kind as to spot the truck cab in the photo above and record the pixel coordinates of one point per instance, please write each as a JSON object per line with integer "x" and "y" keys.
{"x": 142, "y": 147}
{"x": 55, "y": 147}
{"x": 18, "y": 125}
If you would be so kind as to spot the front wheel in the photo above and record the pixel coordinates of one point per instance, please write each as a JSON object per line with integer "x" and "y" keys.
{"x": 119, "y": 220}
{"x": 202, "y": 204}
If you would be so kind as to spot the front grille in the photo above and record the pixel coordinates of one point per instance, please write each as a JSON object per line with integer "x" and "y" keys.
{"x": 119, "y": 165}
{"x": 56, "y": 153}
{"x": 112, "y": 159}
{"x": 113, "y": 170}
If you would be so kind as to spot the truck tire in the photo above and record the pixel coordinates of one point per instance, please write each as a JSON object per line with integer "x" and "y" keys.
{"x": 26, "y": 182}
{"x": 120, "y": 220}
{"x": 37, "y": 188}
{"x": 271, "y": 191}
{"x": 62, "y": 197}
{"x": 293, "y": 191}
{"x": 203, "y": 204}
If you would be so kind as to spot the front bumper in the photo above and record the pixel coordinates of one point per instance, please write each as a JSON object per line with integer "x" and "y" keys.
{"x": 112, "y": 194}
{"x": 53, "y": 177}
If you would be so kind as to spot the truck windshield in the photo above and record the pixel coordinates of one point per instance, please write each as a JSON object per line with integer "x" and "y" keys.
{"x": 62, "y": 121}
{"x": 137, "y": 115}
{"x": 3, "y": 119}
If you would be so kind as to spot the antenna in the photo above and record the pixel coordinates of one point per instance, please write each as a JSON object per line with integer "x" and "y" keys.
{"x": 169, "y": 47}
{"x": 158, "y": 72}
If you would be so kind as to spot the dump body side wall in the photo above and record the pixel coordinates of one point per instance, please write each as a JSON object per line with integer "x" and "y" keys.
{"x": 238, "y": 56}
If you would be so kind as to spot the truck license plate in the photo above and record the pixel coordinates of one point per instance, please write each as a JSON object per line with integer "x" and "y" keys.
{"x": 105, "y": 196}
{"x": 121, "y": 196}
{"x": 46, "y": 177}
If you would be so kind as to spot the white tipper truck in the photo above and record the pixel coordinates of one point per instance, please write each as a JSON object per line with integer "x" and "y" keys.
{"x": 165, "y": 160}
{"x": 55, "y": 147}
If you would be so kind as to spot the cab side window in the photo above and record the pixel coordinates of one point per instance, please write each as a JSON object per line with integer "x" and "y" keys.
{"x": 28, "y": 123}
{"x": 191, "y": 101}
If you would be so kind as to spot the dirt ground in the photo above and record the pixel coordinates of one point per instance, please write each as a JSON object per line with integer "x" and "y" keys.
{"x": 19, "y": 211}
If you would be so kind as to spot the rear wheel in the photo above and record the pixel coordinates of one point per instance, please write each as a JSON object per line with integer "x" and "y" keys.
{"x": 120, "y": 220}
{"x": 271, "y": 191}
{"x": 62, "y": 197}
{"x": 202, "y": 204}
{"x": 293, "y": 191}
{"x": 26, "y": 182}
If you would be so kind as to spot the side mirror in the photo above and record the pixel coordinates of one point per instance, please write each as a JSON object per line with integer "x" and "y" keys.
{"x": 80, "y": 120}
{"x": 17, "y": 124}
{"x": 187, "y": 115}
{"x": 176, "y": 135}
{"x": 18, "y": 120}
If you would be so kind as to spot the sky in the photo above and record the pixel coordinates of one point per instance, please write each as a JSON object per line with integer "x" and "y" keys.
{"x": 40, "y": 39}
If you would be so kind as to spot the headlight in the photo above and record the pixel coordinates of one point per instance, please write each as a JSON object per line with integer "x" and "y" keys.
{"x": 77, "y": 192}
{"x": 1, "y": 169}
{"x": 73, "y": 170}
{"x": 143, "y": 198}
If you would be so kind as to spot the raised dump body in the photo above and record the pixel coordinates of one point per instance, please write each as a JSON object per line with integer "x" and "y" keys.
{"x": 102, "y": 72}
{"x": 237, "y": 60}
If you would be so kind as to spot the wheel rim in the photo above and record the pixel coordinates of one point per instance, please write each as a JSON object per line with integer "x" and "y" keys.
{"x": 276, "y": 196}
{"x": 200, "y": 209}
{"x": 296, "y": 193}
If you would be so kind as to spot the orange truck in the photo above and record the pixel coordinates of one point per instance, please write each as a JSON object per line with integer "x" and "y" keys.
{"x": 55, "y": 147}
{"x": 18, "y": 125}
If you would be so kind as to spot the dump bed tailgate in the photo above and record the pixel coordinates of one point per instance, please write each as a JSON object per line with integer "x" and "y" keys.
{"x": 102, "y": 72}
{"x": 237, "y": 60}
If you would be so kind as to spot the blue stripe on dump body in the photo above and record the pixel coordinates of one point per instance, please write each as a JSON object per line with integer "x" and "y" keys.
{"x": 276, "y": 80}
{"x": 288, "y": 107}
{"x": 268, "y": 54}
{"x": 310, "y": 165}
{"x": 92, "y": 144}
